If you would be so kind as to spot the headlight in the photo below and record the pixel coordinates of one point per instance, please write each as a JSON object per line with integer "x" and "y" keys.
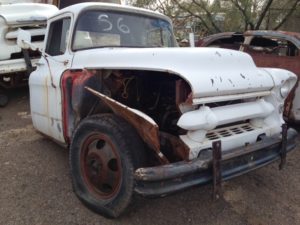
{"x": 285, "y": 89}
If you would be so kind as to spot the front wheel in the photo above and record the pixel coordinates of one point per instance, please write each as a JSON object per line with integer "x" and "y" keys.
{"x": 104, "y": 152}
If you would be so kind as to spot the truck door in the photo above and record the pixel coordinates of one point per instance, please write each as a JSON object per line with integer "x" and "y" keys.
{"x": 45, "y": 90}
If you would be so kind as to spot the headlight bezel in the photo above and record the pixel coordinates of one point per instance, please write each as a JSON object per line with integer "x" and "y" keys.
{"x": 285, "y": 89}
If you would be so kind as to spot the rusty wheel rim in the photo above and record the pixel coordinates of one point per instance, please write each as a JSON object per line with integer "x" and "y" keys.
{"x": 101, "y": 166}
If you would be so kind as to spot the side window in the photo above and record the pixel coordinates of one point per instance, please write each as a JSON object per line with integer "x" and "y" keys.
{"x": 57, "y": 37}
{"x": 233, "y": 42}
{"x": 273, "y": 46}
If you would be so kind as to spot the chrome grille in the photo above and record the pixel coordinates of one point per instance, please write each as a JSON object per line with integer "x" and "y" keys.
{"x": 229, "y": 131}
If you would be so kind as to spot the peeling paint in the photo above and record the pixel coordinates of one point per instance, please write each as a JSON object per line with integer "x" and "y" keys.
{"x": 58, "y": 127}
{"x": 283, "y": 52}
{"x": 218, "y": 54}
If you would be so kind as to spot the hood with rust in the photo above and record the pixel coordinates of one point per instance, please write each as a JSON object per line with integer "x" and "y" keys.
{"x": 26, "y": 13}
{"x": 209, "y": 71}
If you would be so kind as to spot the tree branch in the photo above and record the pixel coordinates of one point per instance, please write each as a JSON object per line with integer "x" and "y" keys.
{"x": 288, "y": 15}
{"x": 263, "y": 14}
{"x": 244, "y": 13}
{"x": 192, "y": 14}
{"x": 208, "y": 14}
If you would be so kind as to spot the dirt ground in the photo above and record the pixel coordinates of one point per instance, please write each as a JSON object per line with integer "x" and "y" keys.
{"x": 35, "y": 187}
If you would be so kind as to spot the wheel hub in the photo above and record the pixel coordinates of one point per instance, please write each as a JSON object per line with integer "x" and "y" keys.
{"x": 100, "y": 165}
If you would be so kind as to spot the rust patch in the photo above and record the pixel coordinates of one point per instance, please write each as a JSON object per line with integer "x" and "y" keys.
{"x": 179, "y": 148}
{"x": 183, "y": 93}
{"x": 68, "y": 78}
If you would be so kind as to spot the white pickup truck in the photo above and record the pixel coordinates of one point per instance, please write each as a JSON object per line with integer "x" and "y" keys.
{"x": 141, "y": 115}
{"x": 16, "y": 64}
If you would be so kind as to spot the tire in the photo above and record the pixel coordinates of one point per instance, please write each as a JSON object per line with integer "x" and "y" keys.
{"x": 104, "y": 153}
{"x": 3, "y": 100}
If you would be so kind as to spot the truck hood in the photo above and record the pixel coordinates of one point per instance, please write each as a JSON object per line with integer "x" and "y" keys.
{"x": 26, "y": 13}
{"x": 209, "y": 71}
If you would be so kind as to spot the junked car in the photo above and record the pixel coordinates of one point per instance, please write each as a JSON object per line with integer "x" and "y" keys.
{"x": 16, "y": 64}
{"x": 141, "y": 115}
{"x": 275, "y": 49}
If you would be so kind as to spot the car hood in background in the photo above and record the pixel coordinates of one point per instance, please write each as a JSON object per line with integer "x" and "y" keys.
{"x": 26, "y": 13}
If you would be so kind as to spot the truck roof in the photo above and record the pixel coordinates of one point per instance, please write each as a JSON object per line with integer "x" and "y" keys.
{"x": 78, "y": 8}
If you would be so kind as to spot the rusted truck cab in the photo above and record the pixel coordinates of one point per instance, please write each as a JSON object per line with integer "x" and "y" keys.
{"x": 140, "y": 114}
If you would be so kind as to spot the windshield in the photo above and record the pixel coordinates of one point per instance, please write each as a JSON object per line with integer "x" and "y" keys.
{"x": 117, "y": 29}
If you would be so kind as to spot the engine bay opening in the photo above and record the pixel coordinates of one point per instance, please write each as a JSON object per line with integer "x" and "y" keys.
{"x": 156, "y": 94}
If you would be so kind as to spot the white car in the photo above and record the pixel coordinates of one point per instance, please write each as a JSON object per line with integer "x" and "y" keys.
{"x": 140, "y": 114}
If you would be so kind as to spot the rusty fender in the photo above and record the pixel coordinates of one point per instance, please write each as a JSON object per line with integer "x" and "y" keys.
{"x": 144, "y": 125}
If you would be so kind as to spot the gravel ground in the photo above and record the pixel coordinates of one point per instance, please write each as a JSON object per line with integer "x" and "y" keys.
{"x": 35, "y": 187}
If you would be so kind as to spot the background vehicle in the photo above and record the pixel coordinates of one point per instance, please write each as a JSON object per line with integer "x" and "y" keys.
{"x": 275, "y": 49}
{"x": 16, "y": 64}
{"x": 142, "y": 115}
{"x": 65, "y": 3}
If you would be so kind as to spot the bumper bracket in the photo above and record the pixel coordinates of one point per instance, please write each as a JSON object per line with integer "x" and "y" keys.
{"x": 283, "y": 149}
{"x": 216, "y": 169}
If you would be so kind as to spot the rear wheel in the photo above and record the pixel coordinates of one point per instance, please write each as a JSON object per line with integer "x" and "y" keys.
{"x": 104, "y": 152}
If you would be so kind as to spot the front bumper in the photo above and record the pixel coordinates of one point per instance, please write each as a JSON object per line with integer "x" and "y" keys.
{"x": 15, "y": 65}
{"x": 167, "y": 179}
